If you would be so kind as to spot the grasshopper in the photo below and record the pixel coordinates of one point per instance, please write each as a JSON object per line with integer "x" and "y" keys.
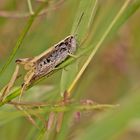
{"x": 41, "y": 65}
{"x": 46, "y": 62}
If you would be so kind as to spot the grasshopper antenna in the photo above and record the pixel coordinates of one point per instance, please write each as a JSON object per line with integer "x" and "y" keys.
{"x": 79, "y": 21}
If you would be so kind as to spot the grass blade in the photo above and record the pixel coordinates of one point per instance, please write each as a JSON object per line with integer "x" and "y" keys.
{"x": 21, "y": 38}
{"x": 112, "y": 125}
{"x": 118, "y": 20}
{"x": 71, "y": 71}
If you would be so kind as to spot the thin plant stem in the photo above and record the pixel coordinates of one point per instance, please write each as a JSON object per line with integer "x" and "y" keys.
{"x": 9, "y": 14}
{"x": 30, "y": 7}
{"x": 21, "y": 37}
{"x": 98, "y": 46}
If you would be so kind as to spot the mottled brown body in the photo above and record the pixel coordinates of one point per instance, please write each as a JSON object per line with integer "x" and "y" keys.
{"x": 44, "y": 63}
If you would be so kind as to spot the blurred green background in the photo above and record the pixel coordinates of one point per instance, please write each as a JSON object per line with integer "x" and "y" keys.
{"x": 112, "y": 77}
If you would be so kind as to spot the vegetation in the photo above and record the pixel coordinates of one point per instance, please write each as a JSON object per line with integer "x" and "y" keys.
{"x": 93, "y": 95}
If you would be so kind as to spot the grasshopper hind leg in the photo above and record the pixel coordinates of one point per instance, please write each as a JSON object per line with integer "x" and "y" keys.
{"x": 8, "y": 87}
{"x": 27, "y": 81}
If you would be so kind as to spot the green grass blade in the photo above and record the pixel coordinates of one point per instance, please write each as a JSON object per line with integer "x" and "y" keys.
{"x": 21, "y": 38}
{"x": 71, "y": 71}
{"x": 129, "y": 11}
{"x": 114, "y": 122}
{"x": 84, "y": 17}
{"x": 120, "y": 18}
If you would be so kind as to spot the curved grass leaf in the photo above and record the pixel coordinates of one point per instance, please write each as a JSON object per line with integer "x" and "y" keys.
{"x": 81, "y": 24}
{"x": 21, "y": 38}
{"x": 118, "y": 20}
{"x": 114, "y": 122}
